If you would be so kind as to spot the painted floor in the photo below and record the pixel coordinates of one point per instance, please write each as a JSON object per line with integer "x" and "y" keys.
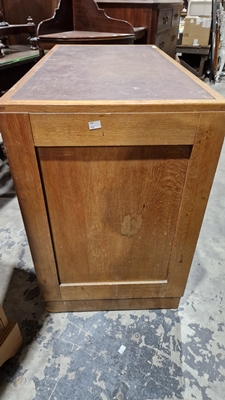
{"x": 117, "y": 355}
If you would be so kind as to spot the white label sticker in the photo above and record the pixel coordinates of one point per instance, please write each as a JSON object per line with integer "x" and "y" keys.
{"x": 195, "y": 42}
{"x": 199, "y": 20}
{"x": 121, "y": 349}
{"x": 94, "y": 125}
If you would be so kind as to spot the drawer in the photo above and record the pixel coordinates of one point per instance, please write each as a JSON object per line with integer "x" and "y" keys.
{"x": 176, "y": 16}
{"x": 53, "y": 130}
{"x": 166, "y": 40}
{"x": 164, "y": 19}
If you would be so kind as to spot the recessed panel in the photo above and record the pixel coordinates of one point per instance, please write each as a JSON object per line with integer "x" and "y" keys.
{"x": 113, "y": 210}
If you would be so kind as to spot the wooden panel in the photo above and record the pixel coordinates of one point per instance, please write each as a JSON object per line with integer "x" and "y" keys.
{"x": 113, "y": 210}
{"x": 136, "y": 15}
{"x": 3, "y": 319}
{"x": 88, "y": 16}
{"x": 72, "y": 18}
{"x": 24, "y": 168}
{"x": 172, "y": 52}
{"x": 85, "y": 36}
{"x": 112, "y": 290}
{"x": 176, "y": 15}
{"x": 17, "y": 12}
{"x": 164, "y": 19}
{"x": 167, "y": 40}
{"x": 200, "y": 174}
{"x": 10, "y": 337}
{"x": 124, "y": 304}
{"x": 116, "y": 129}
{"x": 47, "y": 43}
{"x": 10, "y": 341}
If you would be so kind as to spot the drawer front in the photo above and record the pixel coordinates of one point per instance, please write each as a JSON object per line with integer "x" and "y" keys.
{"x": 51, "y": 130}
{"x": 166, "y": 40}
{"x": 176, "y": 16}
{"x": 164, "y": 19}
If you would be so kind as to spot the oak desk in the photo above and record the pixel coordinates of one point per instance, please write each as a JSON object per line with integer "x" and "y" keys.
{"x": 113, "y": 159}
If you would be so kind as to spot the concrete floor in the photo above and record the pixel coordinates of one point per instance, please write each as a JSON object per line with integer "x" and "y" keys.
{"x": 169, "y": 354}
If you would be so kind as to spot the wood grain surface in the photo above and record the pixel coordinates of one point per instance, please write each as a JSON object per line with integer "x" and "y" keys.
{"x": 199, "y": 179}
{"x": 119, "y": 304}
{"x": 113, "y": 218}
{"x": 24, "y": 168}
{"x": 118, "y": 129}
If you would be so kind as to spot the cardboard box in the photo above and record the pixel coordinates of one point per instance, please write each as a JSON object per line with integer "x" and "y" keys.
{"x": 196, "y": 31}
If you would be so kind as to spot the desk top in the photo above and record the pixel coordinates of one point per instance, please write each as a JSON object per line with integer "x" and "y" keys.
{"x": 108, "y": 73}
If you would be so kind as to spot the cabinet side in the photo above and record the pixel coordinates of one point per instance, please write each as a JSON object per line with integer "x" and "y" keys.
{"x": 199, "y": 179}
{"x": 20, "y": 150}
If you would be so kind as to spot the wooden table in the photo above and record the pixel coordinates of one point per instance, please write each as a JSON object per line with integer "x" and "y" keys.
{"x": 113, "y": 159}
{"x": 189, "y": 55}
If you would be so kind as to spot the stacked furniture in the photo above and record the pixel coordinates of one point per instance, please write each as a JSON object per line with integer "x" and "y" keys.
{"x": 82, "y": 22}
{"x": 6, "y": 29}
{"x": 16, "y": 60}
{"x": 161, "y": 19}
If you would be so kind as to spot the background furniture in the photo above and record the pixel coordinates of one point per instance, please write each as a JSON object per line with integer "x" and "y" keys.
{"x": 17, "y": 12}
{"x": 10, "y": 338}
{"x": 195, "y": 59}
{"x": 161, "y": 18}
{"x": 82, "y": 22}
{"x": 118, "y": 160}
{"x": 17, "y": 62}
{"x": 7, "y": 29}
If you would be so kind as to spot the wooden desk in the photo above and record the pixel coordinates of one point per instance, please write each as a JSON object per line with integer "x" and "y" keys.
{"x": 118, "y": 160}
{"x": 160, "y": 17}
